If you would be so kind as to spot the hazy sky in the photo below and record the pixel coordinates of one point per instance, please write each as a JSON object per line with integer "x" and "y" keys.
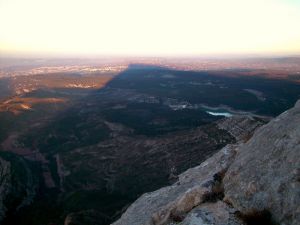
{"x": 149, "y": 27}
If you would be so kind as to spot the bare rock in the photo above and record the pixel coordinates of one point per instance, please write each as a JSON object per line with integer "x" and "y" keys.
{"x": 195, "y": 186}
{"x": 5, "y": 185}
{"x": 242, "y": 127}
{"x": 217, "y": 213}
{"x": 17, "y": 184}
{"x": 257, "y": 182}
{"x": 265, "y": 175}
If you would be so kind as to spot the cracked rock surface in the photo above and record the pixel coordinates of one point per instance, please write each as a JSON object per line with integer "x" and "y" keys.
{"x": 218, "y": 213}
{"x": 195, "y": 186}
{"x": 265, "y": 174}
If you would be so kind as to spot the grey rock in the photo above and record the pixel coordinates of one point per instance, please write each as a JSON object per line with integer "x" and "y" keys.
{"x": 5, "y": 185}
{"x": 242, "y": 127}
{"x": 194, "y": 186}
{"x": 266, "y": 172}
{"x": 260, "y": 175}
{"x": 218, "y": 213}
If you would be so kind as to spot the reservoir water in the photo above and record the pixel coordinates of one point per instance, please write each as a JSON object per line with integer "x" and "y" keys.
{"x": 226, "y": 114}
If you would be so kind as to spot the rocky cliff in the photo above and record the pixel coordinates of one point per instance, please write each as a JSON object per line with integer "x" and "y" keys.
{"x": 4, "y": 184}
{"x": 17, "y": 184}
{"x": 257, "y": 182}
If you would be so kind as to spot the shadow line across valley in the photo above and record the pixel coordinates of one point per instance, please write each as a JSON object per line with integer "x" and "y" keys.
{"x": 134, "y": 133}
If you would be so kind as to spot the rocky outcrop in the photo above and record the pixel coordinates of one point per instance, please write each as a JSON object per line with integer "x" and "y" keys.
{"x": 195, "y": 186}
{"x": 217, "y": 213}
{"x": 254, "y": 181}
{"x": 85, "y": 217}
{"x": 5, "y": 177}
{"x": 265, "y": 176}
{"x": 17, "y": 184}
{"x": 242, "y": 127}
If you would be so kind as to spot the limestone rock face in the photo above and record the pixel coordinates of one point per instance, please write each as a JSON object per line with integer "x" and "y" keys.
{"x": 266, "y": 172}
{"x": 218, "y": 213}
{"x": 5, "y": 176}
{"x": 195, "y": 186}
{"x": 242, "y": 127}
{"x": 241, "y": 182}
{"x": 17, "y": 184}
